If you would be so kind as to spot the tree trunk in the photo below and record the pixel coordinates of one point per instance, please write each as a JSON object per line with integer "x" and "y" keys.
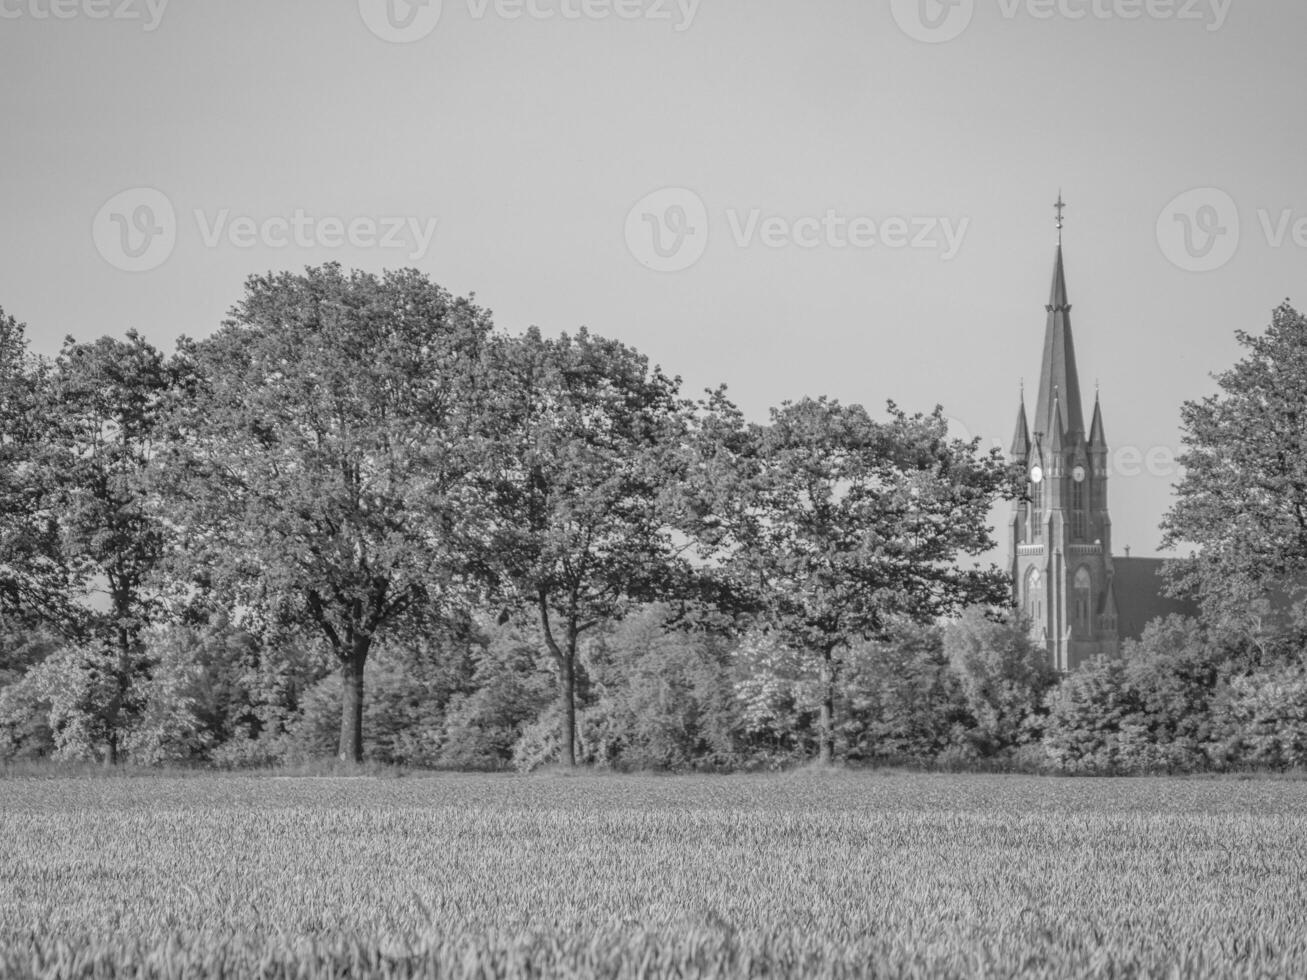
{"x": 566, "y": 660}
{"x": 351, "y": 715}
{"x": 568, "y": 734}
{"x": 826, "y": 719}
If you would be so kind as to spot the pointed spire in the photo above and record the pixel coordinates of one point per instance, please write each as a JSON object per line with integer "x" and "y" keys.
{"x": 1058, "y": 371}
{"x": 1021, "y": 439}
{"x": 1097, "y": 438}
{"x": 1057, "y": 298}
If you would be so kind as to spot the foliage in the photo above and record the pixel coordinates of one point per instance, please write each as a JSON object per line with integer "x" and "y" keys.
{"x": 1243, "y": 498}
{"x": 80, "y": 691}
{"x": 1093, "y": 721}
{"x": 35, "y": 584}
{"x": 1004, "y": 676}
{"x": 779, "y": 694}
{"x": 1264, "y": 718}
{"x": 1176, "y": 672}
{"x": 903, "y": 700}
{"x": 579, "y": 450}
{"x": 841, "y": 526}
{"x": 506, "y": 693}
{"x": 664, "y": 695}
{"x": 323, "y": 460}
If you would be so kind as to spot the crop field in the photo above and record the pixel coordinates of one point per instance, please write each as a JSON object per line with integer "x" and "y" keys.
{"x": 808, "y": 874}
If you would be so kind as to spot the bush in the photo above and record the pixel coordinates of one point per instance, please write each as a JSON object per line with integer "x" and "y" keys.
{"x": 1004, "y": 677}
{"x": 663, "y": 698}
{"x": 507, "y": 692}
{"x": 1263, "y": 717}
{"x": 900, "y": 699}
{"x": 1092, "y": 724}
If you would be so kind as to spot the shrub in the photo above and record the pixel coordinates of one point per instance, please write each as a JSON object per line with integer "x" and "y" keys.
{"x": 1092, "y": 724}
{"x": 1263, "y": 717}
{"x": 1004, "y": 677}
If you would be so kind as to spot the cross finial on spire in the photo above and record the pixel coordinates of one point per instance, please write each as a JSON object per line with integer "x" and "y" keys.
{"x": 1060, "y": 205}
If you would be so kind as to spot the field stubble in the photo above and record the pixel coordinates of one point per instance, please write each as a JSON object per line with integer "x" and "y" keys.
{"x": 810, "y": 874}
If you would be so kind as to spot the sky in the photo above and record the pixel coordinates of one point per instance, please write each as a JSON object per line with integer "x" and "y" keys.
{"x": 851, "y": 198}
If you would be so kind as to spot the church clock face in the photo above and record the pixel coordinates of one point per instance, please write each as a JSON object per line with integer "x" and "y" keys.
{"x": 1078, "y": 474}
{"x": 1036, "y": 474}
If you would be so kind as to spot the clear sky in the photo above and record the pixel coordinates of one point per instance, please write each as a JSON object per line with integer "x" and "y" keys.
{"x": 510, "y": 148}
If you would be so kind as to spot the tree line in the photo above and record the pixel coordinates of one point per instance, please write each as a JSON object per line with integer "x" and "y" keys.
{"x": 536, "y": 549}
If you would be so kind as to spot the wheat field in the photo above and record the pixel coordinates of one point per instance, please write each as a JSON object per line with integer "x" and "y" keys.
{"x": 809, "y": 874}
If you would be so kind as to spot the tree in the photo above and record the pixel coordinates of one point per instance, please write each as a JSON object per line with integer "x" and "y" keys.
{"x": 1004, "y": 674}
{"x": 33, "y": 579}
{"x": 323, "y": 462}
{"x": 102, "y": 413}
{"x": 1176, "y": 671}
{"x": 904, "y": 700}
{"x": 840, "y": 527}
{"x": 580, "y": 449}
{"x": 1092, "y": 725}
{"x": 664, "y": 696}
{"x": 1243, "y": 498}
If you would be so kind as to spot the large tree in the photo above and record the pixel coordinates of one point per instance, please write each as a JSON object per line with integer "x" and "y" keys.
{"x": 580, "y": 451}
{"x": 325, "y": 458}
{"x": 101, "y": 430}
{"x": 841, "y": 526}
{"x": 1242, "y": 501}
{"x": 34, "y": 581}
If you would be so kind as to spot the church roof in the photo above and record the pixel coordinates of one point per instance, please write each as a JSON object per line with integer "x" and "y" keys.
{"x": 1059, "y": 382}
{"x": 1137, "y": 586}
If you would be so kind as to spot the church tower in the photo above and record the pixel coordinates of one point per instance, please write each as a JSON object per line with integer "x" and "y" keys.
{"x": 1061, "y": 533}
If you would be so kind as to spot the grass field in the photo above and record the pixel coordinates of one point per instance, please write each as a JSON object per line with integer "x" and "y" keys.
{"x": 808, "y": 874}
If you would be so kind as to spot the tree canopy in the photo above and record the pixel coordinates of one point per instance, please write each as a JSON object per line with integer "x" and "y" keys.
{"x": 840, "y": 526}
{"x": 1242, "y": 501}
{"x": 323, "y": 462}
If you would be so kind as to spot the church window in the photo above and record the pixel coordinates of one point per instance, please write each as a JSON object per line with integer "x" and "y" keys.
{"x": 1034, "y": 605}
{"x": 1078, "y": 517}
{"x": 1036, "y": 511}
{"x": 1084, "y": 598}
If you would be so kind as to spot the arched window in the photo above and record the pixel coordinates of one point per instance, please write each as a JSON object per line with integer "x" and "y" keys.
{"x": 1084, "y": 599}
{"x": 1036, "y": 511}
{"x": 1078, "y": 508}
{"x": 1034, "y": 595}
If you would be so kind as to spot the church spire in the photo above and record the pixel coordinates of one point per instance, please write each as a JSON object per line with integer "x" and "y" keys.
{"x": 1021, "y": 439}
{"x": 1097, "y": 439}
{"x": 1058, "y": 379}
